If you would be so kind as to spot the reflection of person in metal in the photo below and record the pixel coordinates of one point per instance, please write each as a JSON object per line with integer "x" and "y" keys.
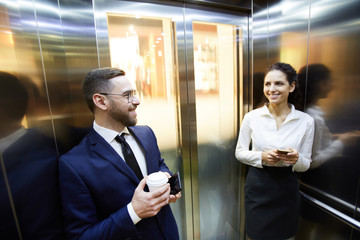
{"x": 259, "y": 98}
{"x": 272, "y": 198}
{"x": 315, "y": 80}
{"x": 29, "y": 198}
{"x": 103, "y": 198}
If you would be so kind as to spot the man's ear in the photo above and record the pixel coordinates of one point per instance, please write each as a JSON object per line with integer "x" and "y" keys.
{"x": 100, "y": 101}
{"x": 292, "y": 87}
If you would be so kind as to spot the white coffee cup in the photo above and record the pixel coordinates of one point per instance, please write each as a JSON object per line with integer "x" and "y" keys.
{"x": 156, "y": 180}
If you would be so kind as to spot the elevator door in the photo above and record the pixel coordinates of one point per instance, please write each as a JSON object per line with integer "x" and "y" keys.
{"x": 187, "y": 66}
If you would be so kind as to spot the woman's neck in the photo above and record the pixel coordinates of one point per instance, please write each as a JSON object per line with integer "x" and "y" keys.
{"x": 279, "y": 110}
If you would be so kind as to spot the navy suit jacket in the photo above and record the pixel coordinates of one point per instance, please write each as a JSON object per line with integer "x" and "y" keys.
{"x": 96, "y": 185}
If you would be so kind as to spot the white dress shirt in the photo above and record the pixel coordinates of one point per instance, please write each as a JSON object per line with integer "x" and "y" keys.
{"x": 259, "y": 128}
{"x": 109, "y": 136}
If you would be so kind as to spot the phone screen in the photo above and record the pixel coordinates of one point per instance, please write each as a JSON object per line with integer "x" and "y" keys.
{"x": 285, "y": 151}
{"x": 175, "y": 183}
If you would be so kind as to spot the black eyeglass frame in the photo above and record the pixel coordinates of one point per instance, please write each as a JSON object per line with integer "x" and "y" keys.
{"x": 129, "y": 95}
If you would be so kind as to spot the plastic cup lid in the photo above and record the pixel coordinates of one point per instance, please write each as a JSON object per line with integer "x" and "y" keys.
{"x": 157, "y": 178}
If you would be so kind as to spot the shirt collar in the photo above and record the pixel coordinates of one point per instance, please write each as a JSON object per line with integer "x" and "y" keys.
{"x": 106, "y": 133}
{"x": 292, "y": 115}
{"x": 265, "y": 111}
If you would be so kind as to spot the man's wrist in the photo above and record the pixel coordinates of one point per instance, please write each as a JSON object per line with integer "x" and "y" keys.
{"x": 134, "y": 217}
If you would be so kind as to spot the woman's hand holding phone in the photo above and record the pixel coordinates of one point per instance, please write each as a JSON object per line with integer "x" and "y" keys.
{"x": 288, "y": 155}
{"x": 269, "y": 157}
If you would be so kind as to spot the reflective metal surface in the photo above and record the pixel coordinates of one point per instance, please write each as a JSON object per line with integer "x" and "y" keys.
{"x": 231, "y": 4}
{"x": 50, "y": 46}
{"x": 80, "y": 46}
{"x": 320, "y": 39}
{"x": 34, "y": 53}
{"x": 216, "y": 53}
{"x": 338, "y": 214}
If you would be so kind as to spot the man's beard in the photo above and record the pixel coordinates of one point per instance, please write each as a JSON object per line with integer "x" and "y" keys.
{"x": 121, "y": 117}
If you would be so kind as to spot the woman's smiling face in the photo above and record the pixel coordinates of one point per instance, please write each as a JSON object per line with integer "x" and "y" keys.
{"x": 277, "y": 87}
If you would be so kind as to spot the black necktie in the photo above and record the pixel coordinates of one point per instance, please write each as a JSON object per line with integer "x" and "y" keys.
{"x": 129, "y": 156}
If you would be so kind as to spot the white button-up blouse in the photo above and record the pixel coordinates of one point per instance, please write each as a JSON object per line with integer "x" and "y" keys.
{"x": 259, "y": 128}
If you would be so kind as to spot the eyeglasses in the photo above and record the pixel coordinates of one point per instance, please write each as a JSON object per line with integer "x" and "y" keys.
{"x": 129, "y": 95}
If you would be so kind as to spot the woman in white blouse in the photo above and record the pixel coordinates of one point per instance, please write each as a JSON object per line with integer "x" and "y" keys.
{"x": 272, "y": 199}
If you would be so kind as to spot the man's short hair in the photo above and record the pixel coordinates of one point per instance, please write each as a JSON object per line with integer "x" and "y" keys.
{"x": 97, "y": 81}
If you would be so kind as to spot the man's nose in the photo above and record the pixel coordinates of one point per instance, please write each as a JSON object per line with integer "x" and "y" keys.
{"x": 135, "y": 100}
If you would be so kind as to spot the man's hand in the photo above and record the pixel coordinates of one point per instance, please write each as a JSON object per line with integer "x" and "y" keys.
{"x": 148, "y": 204}
{"x": 173, "y": 198}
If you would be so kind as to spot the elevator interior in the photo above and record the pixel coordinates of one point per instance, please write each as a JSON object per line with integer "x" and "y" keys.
{"x": 195, "y": 65}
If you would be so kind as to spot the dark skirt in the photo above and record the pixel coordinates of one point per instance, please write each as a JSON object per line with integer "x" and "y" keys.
{"x": 272, "y": 203}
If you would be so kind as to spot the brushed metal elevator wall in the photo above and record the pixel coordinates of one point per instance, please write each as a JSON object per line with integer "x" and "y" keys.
{"x": 50, "y": 45}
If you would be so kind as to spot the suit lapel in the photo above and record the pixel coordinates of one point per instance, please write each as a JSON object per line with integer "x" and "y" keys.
{"x": 105, "y": 151}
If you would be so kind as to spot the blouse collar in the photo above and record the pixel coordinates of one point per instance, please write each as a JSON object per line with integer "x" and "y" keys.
{"x": 292, "y": 115}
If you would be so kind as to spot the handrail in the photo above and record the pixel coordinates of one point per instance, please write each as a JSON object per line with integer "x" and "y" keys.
{"x": 348, "y": 206}
{"x": 339, "y": 215}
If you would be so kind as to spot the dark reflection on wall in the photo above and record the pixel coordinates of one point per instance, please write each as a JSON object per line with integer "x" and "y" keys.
{"x": 65, "y": 99}
{"x": 334, "y": 168}
{"x": 332, "y": 99}
{"x": 316, "y": 78}
{"x": 258, "y": 95}
{"x": 29, "y": 198}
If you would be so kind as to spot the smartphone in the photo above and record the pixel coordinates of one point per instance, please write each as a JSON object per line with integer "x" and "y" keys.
{"x": 175, "y": 183}
{"x": 284, "y": 151}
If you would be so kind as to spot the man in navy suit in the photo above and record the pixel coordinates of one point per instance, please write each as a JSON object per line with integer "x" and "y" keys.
{"x": 102, "y": 196}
